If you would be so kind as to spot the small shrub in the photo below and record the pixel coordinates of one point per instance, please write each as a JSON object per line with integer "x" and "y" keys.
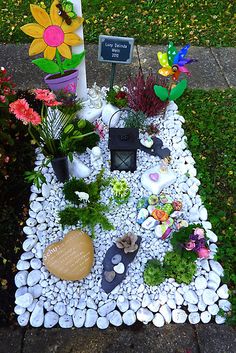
{"x": 141, "y": 95}
{"x": 178, "y": 267}
{"x": 135, "y": 120}
{"x": 154, "y": 273}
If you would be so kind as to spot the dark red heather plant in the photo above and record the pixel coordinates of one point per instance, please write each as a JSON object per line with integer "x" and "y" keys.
{"x": 141, "y": 95}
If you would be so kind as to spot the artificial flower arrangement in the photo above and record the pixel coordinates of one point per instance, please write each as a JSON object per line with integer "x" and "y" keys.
{"x": 120, "y": 190}
{"x": 173, "y": 63}
{"x": 53, "y": 35}
{"x": 49, "y": 128}
{"x": 117, "y": 97}
{"x": 128, "y": 243}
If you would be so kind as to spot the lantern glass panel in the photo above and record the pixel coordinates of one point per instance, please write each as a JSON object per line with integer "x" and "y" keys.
{"x": 123, "y": 160}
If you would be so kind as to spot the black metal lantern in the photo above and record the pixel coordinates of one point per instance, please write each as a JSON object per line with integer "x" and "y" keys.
{"x": 123, "y": 144}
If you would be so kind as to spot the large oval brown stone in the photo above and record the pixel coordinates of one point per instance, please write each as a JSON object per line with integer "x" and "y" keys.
{"x": 71, "y": 258}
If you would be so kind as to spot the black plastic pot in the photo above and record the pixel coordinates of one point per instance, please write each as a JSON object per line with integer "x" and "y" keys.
{"x": 60, "y": 167}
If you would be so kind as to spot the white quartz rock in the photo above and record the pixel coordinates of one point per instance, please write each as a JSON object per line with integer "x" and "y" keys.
{"x": 211, "y": 235}
{"x": 91, "y": 318}
{"x": 60, "y": 308}
{"x": 36, "y": 206}
{"x": 135, "y": 305}
{"x": 79, "y": 318}
{"x": 23, "y": 319}
{"x": 36, "y": 264}
{"x": 33, "y": 277}
{"x": 178, "y": 298}
{"x": 194, "y": 318}
{"x": 216, "y": 267}
{"x": 65, "y": 321}
{"x": 166, "y": 313}
{"x": 129, "y": 317}
{"x": 154, "y": 306}
{"x": 209, "y": 296}
{"x": 24, "y": 300}
{"x": 205, "y": 264}
{"x": 19, "y": 310}
{"x": 78, "y": 169}
{"x": 46, "y": 190}
{"x": 220, "y": 319}
{"x": 115, "y": 318}
{"x": 50, "y": 319}
{"x": 21, "y": 279}
{"x": 22, "y": 265}
{"x": 158, "y": 320}
{"x": 144, "y": 315}
{"x": 213, "y": 309}
{"x": 223, "y": 292}
{"x": 29, "y": 243}
{"x": 191, "y": 297}
{"x": 106, "y": 308}
{"x": 37, "y": 316}
{"x": 91, "y": 304}
{"x": 200, "y": 282}
{"x": 122, "y": 303}
{"x": 179, "y": 316}
{"x": 102, "y": 323}
{"x": 27, "y": 255}
{"x": 203, "y": 213}
{"x": 146, "y": 300}
{"x": 205, "y": 317}
{"x": 224, "y": 304}
{"x": 36, "y": 291}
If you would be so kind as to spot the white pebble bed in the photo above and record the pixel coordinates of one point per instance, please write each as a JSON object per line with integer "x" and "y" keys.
{"x": 44, "y": 300}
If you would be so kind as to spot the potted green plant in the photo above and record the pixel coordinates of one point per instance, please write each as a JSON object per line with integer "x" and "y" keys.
{"x": 116, "y": 99}
{"x": 49, "y": 130}
{"x": 53, "y": 35}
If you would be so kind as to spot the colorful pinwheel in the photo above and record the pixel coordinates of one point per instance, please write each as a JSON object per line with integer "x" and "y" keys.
{"x": 173, "y": 62}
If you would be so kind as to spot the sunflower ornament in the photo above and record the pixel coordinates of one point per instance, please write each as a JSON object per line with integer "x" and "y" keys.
{"x": 53, "y": 36}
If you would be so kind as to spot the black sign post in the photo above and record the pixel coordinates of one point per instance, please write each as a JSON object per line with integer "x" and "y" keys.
{"x": 115, "y": 50}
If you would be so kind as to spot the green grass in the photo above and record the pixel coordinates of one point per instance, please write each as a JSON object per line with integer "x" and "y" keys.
{"x": 203, "y": 22}
{"x": 210, "y": 127}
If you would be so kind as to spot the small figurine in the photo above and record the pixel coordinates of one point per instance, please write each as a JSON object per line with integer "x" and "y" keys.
{"x": 96, "y": 157}
{"x": 95, "y": 97}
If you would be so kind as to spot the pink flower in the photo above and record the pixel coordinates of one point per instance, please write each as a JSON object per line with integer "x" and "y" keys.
{"x": 199, "y": 232}
{"x": 203, "y": 253}
{"x": 2, "y": 99}
{"x": 100, "y": 130}
{"x": 52, "y": 103}
{"x": 190, "y": 245}
{"x": 19, "y": 108}
{"x": 46, "y": 96}
{"x": 32, "y": 117}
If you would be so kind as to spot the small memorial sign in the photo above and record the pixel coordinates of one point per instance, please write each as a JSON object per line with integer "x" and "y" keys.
{"x": 116, "y": 50}
{"x": 72, "y": 258}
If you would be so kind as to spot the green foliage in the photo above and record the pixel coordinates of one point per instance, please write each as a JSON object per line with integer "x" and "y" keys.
{"x": 154, "y": 273}
{"x": 210, "y": 127}
{"x": 161, "y": 92}
{"x": 46, "y": 65}
{"x": 202, "y": 23}
{"x": 117, "y": 98}
{"x": 88, "y": 214}
{"x": 178, "y": 267}
{"x": 178, "y": 90}
{"x": 135, "y": 120}
{"x": 75, "y": 61}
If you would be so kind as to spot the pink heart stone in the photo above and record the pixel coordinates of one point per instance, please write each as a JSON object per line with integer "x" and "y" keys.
{"x": 154, "y": 176}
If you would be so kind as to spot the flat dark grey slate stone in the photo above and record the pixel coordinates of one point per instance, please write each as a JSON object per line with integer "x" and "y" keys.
{"x": 226, "y": 58}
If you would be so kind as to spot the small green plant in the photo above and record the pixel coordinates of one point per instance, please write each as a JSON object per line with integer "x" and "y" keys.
{"x": 86, "y": 207}
{"x": 136, "y": 120}
{"x": 182, "y": 269}
{"x": 154, "y": 273}
{"x": 121, "y": 190}
{"x": 117, "y": 97}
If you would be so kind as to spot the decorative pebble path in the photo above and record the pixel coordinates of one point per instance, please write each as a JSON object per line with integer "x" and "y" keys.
{"x": 44, "y": 300}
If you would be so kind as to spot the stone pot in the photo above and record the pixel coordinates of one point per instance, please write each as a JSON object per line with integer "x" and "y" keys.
{"x": 107, "y": 112}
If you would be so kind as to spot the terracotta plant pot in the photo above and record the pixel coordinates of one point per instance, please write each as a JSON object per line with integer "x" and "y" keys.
{"x": 66, "y": 82}
{"x": 60, "y": 167}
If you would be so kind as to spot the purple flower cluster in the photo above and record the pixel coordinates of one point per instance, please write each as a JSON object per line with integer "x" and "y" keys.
{"x": 197, "y": 243}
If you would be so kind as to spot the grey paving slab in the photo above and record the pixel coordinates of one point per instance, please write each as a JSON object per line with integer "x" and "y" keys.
{"x": 11, "y": 340}
{"x": 143, "y": 339}
{"x": 214, "y": 338}
{"x": 226, "y": 58}
{"x": 211, "y": 70}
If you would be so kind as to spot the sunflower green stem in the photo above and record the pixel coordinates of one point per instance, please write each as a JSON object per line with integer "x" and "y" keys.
{"x": 59, "y": 62}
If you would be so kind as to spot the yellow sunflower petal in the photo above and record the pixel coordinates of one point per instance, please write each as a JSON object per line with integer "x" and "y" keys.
{"x": 37, "y": 46}
{"x": 165, "y": 71}
{"x": 64, "y": 50}
{"x": 33, "y": 29}
{"x": 72, "y": 39}
{"x": 55, "y": 18}
{"x": 76, "y": 23}
{"x": 49, "y": 53}
{"x": 40, "y": 15}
